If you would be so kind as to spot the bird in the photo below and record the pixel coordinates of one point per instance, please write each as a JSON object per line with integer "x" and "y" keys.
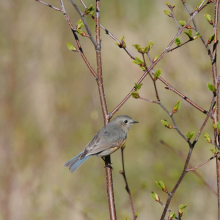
{"x": 106, "y": 141}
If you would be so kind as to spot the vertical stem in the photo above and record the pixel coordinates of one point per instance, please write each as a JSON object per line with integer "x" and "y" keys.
{"x": 109, "y": 181}
{"x": 215, "y": 80}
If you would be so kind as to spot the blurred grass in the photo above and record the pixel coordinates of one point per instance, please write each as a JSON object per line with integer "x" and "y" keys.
{"x": 50, "y": 110}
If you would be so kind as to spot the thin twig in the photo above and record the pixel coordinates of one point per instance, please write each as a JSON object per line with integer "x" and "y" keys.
{"x": 180, "y": 154}
{"x": 122, "y": 172}
{"x": 194, "y": 168}
{"x": 179, "y": 46}
{"x": 84, "y": 21}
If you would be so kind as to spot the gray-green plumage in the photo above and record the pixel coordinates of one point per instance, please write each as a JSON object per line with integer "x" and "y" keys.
{"x": 106, "y": 141}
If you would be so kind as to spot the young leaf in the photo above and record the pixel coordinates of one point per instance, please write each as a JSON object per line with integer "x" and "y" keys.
{"x": 161, "y": 185}
{"x": 90, "y": 10}
{"x": 137, "y": 46}
{"x": 208, "y": 18}
{"x": 155, "y": 196}
{"x": 136, "y": 214}
{"x": 211, "y": 87}
{"x": 182, "y": 23}
{"x": 150, "y": 44}
{"x": 218, "y": 126}
{"x": 135, "y": 95}
{"x": 157, "y": 74}
{"x": 211, "y": 38}
{"x": 172, "y": 216}
{"x": 190, "y": 135}
{"x": 137, "y": 86}
{"x": 70, "y": 47}
{"x": 167, "y": 13}
{"x": 207, "y": 137}
{"x": 166, "y": 124}
{"x": 167, "y": 3}
{"x": 155, "y": 58}
{"x": 177, "y": 107}
{"x": 79, "y": 31}
{"x": 123, "y": 41}
{"x": 214, "y": 151}
{"x": 177, "y": 41}
{"x": 181, "y": 209}
{"x": 199, "y": 4}
{"x": 189, "y": 34}
{"x": 79, "y": 24}
{"x": 197, "y": 35}
{"x": 138, "y": 61}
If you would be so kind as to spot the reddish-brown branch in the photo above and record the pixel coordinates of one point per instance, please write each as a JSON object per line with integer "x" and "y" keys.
{"x": 122, "y": 172}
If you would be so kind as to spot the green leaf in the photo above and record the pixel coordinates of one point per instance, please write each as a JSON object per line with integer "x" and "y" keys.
{"x": 207, "y": 137}
{"x": 90, "y": 10}
{"x": 138, "y": 61}
{"x": 161, "y": 185}
{"x": 190, "y": 135}
{"x": 136, "y": 214}
{"x": 155, "y": 58}
{"x": 177, "y": 107}
{"x": 137, "y": 46}
{"x": 79, "y": 31}
{"x": 218, "y": 126}
{"x": 145, "y": 49}
{"x": 166, "y": 124}
{"x": 182, "y": 23}
{"x": 181, "y": 209}
{"x": 79, "y": 24}
{"x": 157, "y": 74}
{"x": 214, "y": 151}
{"x": 135, "y": 95}
{"x": 123, "y": 44}
{"x": 70, "y": 47}
{"x": 172, "y": 215}
{"x": 199, "y": 4}
{"x": 167, "y": 3}
{"x": 167, "y": 13}
{"x": 177, "y": 41}
{"x": 208, "y": 17}
{"x": 211, "y": 38}
{"x": 155, "y": 196}
{"x": 137, "y": 86}
{"x": 211, "y": 87}
{"x": 189, "y": 34}
{"x": 150, "y": 44}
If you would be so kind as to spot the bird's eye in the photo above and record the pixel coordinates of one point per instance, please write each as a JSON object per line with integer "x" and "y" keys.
{"x": 126, "y": 121}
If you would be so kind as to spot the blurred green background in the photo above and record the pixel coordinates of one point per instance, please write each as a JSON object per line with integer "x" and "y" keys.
{"x": 50, "y": 110}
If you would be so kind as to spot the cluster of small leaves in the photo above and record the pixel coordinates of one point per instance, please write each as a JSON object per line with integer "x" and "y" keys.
{"x": 90, "y": 11}
{"x": 157, "y": 74}
{"x": 161, "y": 185}
{"x": 122, "y": 43}
{"x": 176, "y": 107}
{"x": 166, "y": 124}
{"x": 209, "y": 18}
{"x": 181, "y": 209}
{"x": 79, "y": 25}
{"x": 144, "y": 50}
{"x": 191, "y": 37}
{"x": 207, "y": 137}
{"x": 190, "y": 135}
{"x": 140, "y": 63}
{"x": 137, "y": 87}
{"x": 70, "y": 47}
{"x": 211, "y": 87}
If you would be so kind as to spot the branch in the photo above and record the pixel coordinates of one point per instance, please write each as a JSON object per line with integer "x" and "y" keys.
{"x": 126, "y": 182}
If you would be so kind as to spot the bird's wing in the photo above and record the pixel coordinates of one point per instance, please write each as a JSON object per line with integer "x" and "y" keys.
{"x": 104, "y": 140}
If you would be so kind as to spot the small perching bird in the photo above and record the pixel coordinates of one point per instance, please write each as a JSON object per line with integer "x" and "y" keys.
{"x": 106, "y": 141}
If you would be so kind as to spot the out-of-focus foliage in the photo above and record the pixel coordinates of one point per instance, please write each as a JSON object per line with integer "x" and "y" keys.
{"x": 50, "y": 109}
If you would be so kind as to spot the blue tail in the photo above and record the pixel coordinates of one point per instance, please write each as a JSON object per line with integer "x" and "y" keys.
{"x": 74, "y": 163}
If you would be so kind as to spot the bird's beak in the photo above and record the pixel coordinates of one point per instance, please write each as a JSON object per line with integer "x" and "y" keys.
{"x": 135, "y": 122}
